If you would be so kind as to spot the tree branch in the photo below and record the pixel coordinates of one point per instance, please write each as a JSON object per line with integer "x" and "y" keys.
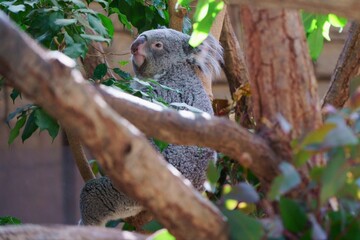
{"x": 79, "y": 156}
{"x": 29, "y": 231}
{"x": 186, "y": 128}
{"x": 346, "y": 68}
{"x": 236, "y": 71}
{"x": 345, "y": 8}
{"x": 51, "y": 81}
{"x": 177, "y": 14}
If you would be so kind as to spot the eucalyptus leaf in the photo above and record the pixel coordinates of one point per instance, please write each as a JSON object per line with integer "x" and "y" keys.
{"x": 212, "y": 173}
{"x": 30, "y": 127}
{"x": 283, "y": 183}
{"x": 45, "y": 122}
{"x": 16, "y": 129}
{"x": 243, "y": 227}
{"x": 100, "y": 71}
{"x": 8, "y": 220}
{"x": 334, "y": 175}
{"x": 107, "y": 23}
{"x": 65, "y": 22}
{"x": 293, "y": 215}
{"x": 95, "y": 38}
{"x": 243, "y": 192}
{"x": 163, "y": 235}
{"x": 97, "y": 25}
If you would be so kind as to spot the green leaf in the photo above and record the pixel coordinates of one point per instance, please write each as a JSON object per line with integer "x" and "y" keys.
{"x": 243, "y": 192}
{"x": 95, "y": 38}
{"x": 309, "y": 21}
{"x": 108, "y": 24}
{"x": 123, "y": 63}
{"x": 30, "y": 127}
{"x": 115, "y": 223}
{"x": 97, "y": 25}
{"x": 14, "y": 94}
{"x": 8, "y": 220}
{"x": 100, "y": 71}
{"x": 205, "y": 14}
{"x": 78, "y": 3}
{"x": 243, "y": 227}
{"x": 65, "y": 22}
{"x": 46, "y": 122}
{"x": 334, "y": 175}
{"x": 316, "y": 43}
{"x": 342, "y": 135}
{"x": 94, "y": 166}
{"x": 326, "y": 30}
{"x": 17, "y": 8}
{"x": 18, "y": 111}
{"x": 186, "y": 106}
{"x": 160, "y": 144}
{"x": 16, "y": 129}
{"x": 152, "y": 226}
{"x": 212, "y": 173}
{"x": 75, "y": 50}
{"x": 124, "y": 75}
{"x": 285, "y": 182}
{"x": 163, "y": 235}
{"x": 292, "y": 215}
{"x": 317, "y": 136}
{"x": 337, "y": 21}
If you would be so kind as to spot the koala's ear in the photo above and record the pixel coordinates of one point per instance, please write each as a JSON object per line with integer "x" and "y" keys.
{"x": 207, "y": 56}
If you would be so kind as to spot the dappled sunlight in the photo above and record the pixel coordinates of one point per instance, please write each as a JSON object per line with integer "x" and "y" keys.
{"x": 133, "y": 99}
{"x": 176, "y": 172}
{"x": 192, "y": 116}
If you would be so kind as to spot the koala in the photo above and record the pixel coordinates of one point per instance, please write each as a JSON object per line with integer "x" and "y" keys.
{"x": 165, "y": 56}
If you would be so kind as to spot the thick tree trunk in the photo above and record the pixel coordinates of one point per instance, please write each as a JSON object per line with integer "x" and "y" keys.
{"x": 282, "y": 78}
{"x": 345, "y": 8}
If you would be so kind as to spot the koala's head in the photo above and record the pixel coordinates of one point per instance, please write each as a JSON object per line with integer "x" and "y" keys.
{"x": 160, "y": 51}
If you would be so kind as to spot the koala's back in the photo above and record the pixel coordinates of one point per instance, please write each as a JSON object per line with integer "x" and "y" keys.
{"x": 101, "y": 202}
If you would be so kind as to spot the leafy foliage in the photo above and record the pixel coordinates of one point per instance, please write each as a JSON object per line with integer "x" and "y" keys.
{"x": 317, "y": 28}
{"x": 8, "y": 220}
{"x": 329, "y": 204}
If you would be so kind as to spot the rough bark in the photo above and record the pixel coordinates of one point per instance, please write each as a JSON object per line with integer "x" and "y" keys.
{"x": 236, "y": 71}
{"x": 346, "y": 8}
{"x": 52, "y": 82}
{"x": 281, "y": 75}
{"x": 176, "y": 14}
{"x": 186, "y": 128}
{"x": 346, "y": 68}
{"x": 56, "y": 232}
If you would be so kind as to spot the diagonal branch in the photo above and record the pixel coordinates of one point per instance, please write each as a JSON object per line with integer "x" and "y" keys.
{"x": 186, "y": 128}
{"x": 346, "y": 8}
{"x": 346, "y": 68}
{"x": 51, "y": 81}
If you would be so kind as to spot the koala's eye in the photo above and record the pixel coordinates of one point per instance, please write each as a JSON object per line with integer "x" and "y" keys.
{"x": 158, "y": 45}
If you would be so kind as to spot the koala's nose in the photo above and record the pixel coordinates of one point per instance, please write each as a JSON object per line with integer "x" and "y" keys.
{"x": 135, "y": 45}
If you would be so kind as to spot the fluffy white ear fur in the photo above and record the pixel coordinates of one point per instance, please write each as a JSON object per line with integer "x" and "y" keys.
{"x": 208, "y": 56}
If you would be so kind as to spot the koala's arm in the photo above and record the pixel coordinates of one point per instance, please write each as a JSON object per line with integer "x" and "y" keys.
{"x": 100, "y": 202}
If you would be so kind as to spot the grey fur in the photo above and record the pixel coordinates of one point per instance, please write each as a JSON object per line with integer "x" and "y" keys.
{"x": 174, "y": 66}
